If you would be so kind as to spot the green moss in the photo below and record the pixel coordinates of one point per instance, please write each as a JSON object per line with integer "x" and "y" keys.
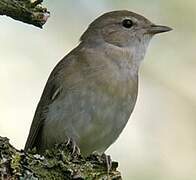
{"x": 16, "y": 164}
{"x": 58, "y": 163}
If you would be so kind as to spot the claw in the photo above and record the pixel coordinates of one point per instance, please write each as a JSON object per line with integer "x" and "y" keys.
{"x": 68, "y": 141}
{"x": 78, "y": 150}
{"x": 72, "y": 144}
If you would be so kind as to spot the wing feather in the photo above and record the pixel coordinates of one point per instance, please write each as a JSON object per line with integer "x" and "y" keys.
{"x": 51, "y": 92}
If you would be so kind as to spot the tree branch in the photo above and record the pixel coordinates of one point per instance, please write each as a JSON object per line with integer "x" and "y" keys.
{"x": 27, "y": 11}
{"x": 58, "y": 163}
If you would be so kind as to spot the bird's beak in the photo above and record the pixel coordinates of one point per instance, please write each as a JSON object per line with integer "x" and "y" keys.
{"x": 155, "y": 29}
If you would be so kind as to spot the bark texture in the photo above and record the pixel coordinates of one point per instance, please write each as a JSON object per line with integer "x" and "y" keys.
{"x": 27, "y": 11}
{"x": 58, "y": 163}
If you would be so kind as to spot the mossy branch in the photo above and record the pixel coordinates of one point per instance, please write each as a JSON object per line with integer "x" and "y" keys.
{"x": 58, "y": 163}
{"x": 27, "y": 11}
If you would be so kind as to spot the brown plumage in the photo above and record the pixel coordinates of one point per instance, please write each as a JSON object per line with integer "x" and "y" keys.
{"x": 92, "y": 91}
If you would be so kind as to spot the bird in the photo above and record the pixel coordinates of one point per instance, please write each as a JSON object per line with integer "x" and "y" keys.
{"x": 91, "y": 93}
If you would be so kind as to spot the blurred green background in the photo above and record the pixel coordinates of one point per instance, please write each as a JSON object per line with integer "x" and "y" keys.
{"x": 159, "y": 142}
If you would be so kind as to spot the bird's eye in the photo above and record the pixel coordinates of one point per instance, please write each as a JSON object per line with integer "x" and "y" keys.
{"x": 127, "y": 23}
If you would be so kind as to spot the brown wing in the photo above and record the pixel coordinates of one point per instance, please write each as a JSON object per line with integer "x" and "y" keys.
{"x": 40, "y": 114}
{"x": 66, "y": 71}
{"x": 50, "y": 93}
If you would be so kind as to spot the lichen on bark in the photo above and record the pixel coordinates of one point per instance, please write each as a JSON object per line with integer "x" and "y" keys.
{"x": 27, "y": 11}
{"x": 58, "y": 163}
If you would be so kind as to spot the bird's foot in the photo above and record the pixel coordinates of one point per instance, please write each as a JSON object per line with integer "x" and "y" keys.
{"x": 73, "y": 146}
{"x": 105, "y": 160}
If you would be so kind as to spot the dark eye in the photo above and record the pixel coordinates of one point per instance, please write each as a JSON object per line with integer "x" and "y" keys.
{"x": 127, "y": 23}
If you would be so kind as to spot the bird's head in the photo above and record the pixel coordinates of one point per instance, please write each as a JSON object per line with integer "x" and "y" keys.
{"x": 122, "y": 28}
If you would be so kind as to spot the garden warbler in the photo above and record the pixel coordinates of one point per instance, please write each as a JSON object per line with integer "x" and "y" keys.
{"x": 92, "y": 91}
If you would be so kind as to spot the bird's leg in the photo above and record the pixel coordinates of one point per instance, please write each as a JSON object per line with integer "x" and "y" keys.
{"x": 108, "y": 162}
{"x": 73, "y": 146}
{"x": 106, "y": 159}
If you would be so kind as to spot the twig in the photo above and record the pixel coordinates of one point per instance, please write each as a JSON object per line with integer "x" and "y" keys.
{"x": 27, "y": 11}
